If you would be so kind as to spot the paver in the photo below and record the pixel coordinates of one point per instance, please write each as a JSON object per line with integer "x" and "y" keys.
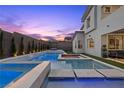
{"x": 87, "y": 73}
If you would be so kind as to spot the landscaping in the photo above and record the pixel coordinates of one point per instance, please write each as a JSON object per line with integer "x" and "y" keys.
{"x": 114, "y": 63}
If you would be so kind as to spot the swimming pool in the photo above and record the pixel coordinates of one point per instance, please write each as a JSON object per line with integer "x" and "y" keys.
{"x": 11, "y": 72}
{"x": 47, "y": 57}
{"x": 86, "y": 64}
{"x": 69, "y": 63}
{"x": 15, "y": 71}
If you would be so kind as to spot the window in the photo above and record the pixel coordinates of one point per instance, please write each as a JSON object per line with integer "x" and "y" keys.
{"x": 88, "y": 22}
{"x": 75, "y": 45}
{"x": 115, "y": 42}
{"x": 79, "y": 44}
{"x": 90, "y": 43}
{"x": 107, "y": 9}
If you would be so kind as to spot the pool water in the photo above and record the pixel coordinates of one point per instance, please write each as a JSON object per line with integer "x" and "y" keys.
{"x": 85, "y": 83}
{"x": 8, "y": 76}
{"x": 11, "y": 72}
{"x": 47, "y": 57}
{"x": 86, "y": 64}
{"x": 74, "y": 64}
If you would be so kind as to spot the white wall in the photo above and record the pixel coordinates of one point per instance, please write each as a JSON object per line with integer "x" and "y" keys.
{"x": 115, "y": 22}
{"x": 78, "y": 36}
{"x": 95, "y": 34}
{"x": 92, "y": 21}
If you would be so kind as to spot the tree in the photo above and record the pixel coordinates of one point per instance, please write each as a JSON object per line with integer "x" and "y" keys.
{"x": 48, "y": 47}
{"x": 39, "y": 47}
{"x": 32, "y": 46}
{"x": 1, "y": 44}
{"x": 29, "y": 48}
{"x": 21, "y": 48}
{"x": 36, "y": 48}
{"x": 13, "y": 47}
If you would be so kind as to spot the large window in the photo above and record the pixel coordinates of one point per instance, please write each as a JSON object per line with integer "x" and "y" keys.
{"x": 88, "y": 22}
{"x": 90, "y": 43}
{"x": 79, "y": 44}
{"x": 115, "y": 42}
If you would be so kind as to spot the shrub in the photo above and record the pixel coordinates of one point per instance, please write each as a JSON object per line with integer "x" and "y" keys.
{"x": 32, "y": 46}
{"x": 29, "y": 48}
{"x": 21, "y": 48}
{"x": 36, "y": 48}
{"x": 13, "y": 48}
{"x": 1, "y": 44}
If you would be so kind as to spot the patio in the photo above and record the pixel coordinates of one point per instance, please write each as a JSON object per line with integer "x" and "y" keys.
{"x": 113, "y": 45}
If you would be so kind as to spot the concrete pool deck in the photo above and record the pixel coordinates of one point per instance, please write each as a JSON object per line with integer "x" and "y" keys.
{"x": 87, "y": 73}
{"x": 111, "y": 73}
{"x": 61, "y": 73}
{"x": 22, "y": 62}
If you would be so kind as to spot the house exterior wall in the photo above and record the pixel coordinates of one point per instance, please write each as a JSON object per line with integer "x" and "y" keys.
{"x": 92, "y": 15}
{"x": 78, "y": 36}
{"x": 113, "y": 9}
{"x": 94, "y": 33}
{"x": 110, "y": 23}
{"x": 113, "y": 22}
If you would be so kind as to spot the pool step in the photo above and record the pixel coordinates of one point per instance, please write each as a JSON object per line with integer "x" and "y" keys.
{"x": 87, "y": 73}
{"x": 60, "y": 65}
{"x": 112, "y": 73}
{"x": 61, "y": 74}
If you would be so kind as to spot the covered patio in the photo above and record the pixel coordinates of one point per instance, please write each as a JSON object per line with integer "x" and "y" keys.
{"x": 113, "y": 44}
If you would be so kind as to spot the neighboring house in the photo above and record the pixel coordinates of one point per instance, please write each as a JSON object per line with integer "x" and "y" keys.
{"x": 64, "y": 45}
{"x": 104, "y": 30}
{"x": 68, "y": 39}
{"x": 78, "y": 42}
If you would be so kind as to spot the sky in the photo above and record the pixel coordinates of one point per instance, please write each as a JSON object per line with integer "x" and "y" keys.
{"x": 46, "y": 22}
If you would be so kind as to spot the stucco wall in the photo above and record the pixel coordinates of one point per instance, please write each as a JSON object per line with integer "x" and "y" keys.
{"x": 111, "y": 23}
{"x": 94, "y": 34}
{"x": 6, "y": 43}
{"x": 7, "y": 38}
{"x": 78, "y": 36}
{"x": 92, "y": 20}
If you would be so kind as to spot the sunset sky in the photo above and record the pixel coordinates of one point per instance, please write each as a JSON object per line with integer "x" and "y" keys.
{"x": 42, "y": 22}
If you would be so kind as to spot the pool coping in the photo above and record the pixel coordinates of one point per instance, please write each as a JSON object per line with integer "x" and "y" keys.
{"x": 34, "y": 78}
{"x": 105, "y": 63}
{"x": 80, "y": 57}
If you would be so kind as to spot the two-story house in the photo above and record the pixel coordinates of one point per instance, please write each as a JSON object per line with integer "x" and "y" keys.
{"x": 103, "y": 28}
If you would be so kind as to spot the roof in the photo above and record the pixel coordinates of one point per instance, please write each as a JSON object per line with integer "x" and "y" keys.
{"x": 77, "y": 32}
{"x": 86, "y": 12}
